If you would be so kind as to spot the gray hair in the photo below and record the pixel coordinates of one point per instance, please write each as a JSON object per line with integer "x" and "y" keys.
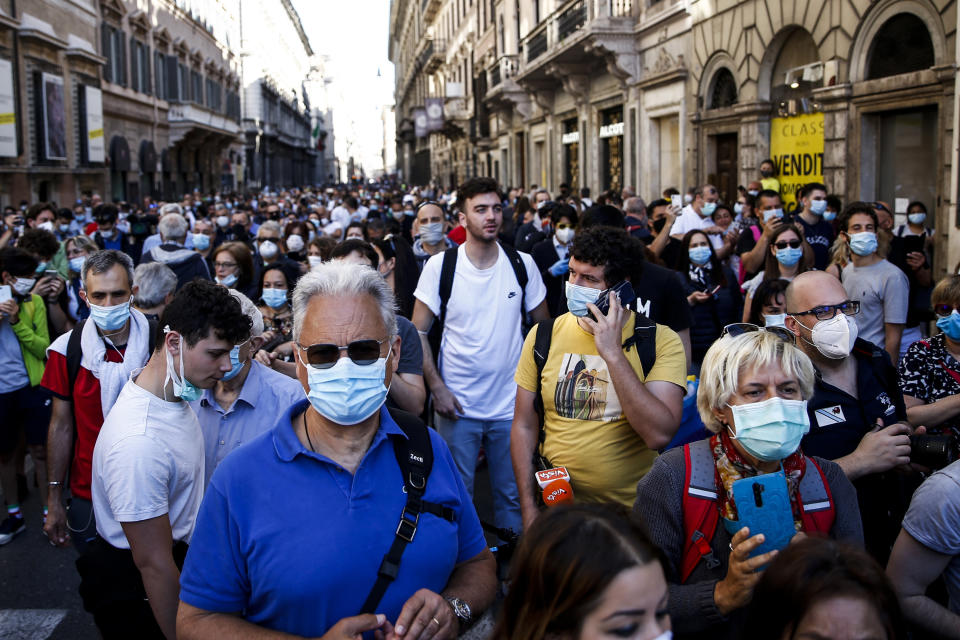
{"x": 635, "y": 205}
{"x": 154, "y": 282}
{"x": 250, "y": 310}
{"x": 103, "y": 261}
{"x": 173, "y": 226}
{"x": 271, "y": 225}
{"x": 171, "y": 207}
{"x": 338, "y": 278}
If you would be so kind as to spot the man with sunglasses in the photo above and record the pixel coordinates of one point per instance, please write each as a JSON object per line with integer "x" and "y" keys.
{"x": 857, "y": 414}
{"x": 298, "y": 525}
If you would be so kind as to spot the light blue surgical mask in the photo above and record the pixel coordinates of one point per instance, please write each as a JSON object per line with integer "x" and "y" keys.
{"x": 182, "y": 388}
{"x": 916, "y": 218}
{"x": 432, "y": 232}
{"x": 579, "y": 297}
{"x": 788, "y": 256}
{"x": 201, "y": 241}
{"x": 699, "y": 255}
{"x": 274, "y": 298}
{"x": 770, "y": 214}
{"x": 774, "y": 320}
{"x": 738, "y": 208}
{"x": 708, "y": 209}
{"x": 818, "y": 206}
{"x": 235, "y": 362}
{"x": 950, "y": 325}
{"x": 770, "y": 430}
{"x": 864, "y": 243}
{"x": 76, "y": 264}
{"x": 110, "y": 318}
{"x": 229, "y": 281}
{"x": 347, "y": 393}
{"x": 829, "y": 216}
{"x": 41, "y": 267}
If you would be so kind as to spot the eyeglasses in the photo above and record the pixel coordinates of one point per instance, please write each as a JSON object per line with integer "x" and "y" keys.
{"x": 224, "y": 265}
{"x": 943, "y": 310}
{"x": 783, "y": 244}
{"x": 827, "y": 311}
{"x": 740, "y": 328}
{"x": 324, "y": 356}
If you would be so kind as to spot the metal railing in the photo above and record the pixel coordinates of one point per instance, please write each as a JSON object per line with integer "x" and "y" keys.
{"x": 537, "y": 45}
{"x": 504, "y": 68}
{"x": 572, "y": 19}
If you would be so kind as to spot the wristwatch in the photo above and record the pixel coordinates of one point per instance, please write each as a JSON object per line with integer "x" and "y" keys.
{"x": 461, "y": 609}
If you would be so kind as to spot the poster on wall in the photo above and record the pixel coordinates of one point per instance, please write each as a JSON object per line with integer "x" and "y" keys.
{"x": 8, "y": 114}
{"x": 434, "y": 107}
{"x": 420, "y": 123}
{"x": 796, "y": 147}
{"x": 93, "y": 114}
{"x": 54, "y": 117}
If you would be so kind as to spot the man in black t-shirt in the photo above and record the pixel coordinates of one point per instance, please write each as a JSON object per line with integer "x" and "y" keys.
{"x": 817, "y": 231}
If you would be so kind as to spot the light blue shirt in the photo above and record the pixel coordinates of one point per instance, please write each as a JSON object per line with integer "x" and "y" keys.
{"x": 13, "y": 373}
{"x": 265, "y": 395}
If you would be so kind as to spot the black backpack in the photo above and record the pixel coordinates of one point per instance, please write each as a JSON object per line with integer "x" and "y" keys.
{"x": 447, "y": 272}
{"x": 644, "y": 337}
{"x": 415, "y": 457}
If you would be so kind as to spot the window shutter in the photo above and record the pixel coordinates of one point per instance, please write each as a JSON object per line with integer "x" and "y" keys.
{"x": 173, "y": 94}
{"x": 105, "y": 45}
{"x": 146, "y": 70}
{"x": 134, "y": 66}
{"x": 122, "y": 47}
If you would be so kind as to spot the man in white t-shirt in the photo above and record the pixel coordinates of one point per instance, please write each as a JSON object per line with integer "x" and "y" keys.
{"x": 148, "y": 468}
{"x": 472, "y": 384}
{"x": 696, "y": 215}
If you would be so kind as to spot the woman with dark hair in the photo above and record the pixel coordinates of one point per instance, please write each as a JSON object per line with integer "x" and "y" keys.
{"x": 295, "y": 238}
{"x": 769, "y": 306}
{"x": 275, "y": 290}
{"x": 711, "y": 290}
{"x": 824, "y": 590}
{"x": 355, "y": 230}
{"x": 585, "y": 571}
{"x": 233, "y": 268}
{"x": 789, "y": 256}
{"x": 398, "y": 266}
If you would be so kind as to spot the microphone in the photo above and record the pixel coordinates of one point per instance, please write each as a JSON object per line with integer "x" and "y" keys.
{"x": 555, "y": 486}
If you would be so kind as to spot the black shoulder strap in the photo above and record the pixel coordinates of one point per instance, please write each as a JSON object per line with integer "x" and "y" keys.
{"x": 541, "y": 349}
{"x": 415, "y": 458}
{"x": 74, "y": 354}
{"x": 645, "y": 338}
{"x": 520, "y": 271}
{"x": 447, "y": 271}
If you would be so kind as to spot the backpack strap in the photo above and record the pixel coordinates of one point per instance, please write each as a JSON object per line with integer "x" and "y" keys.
{"x": 700, "y": 511}
{"x": 541, "y": 349}
{"x": 816, "y": 501}
{"x": 645, "y": 338}
{"x": 414, "y": 455}
{"x": 447, "y": 271}
{"x": 520, "y": 271}
{"x": 75, "y": 350}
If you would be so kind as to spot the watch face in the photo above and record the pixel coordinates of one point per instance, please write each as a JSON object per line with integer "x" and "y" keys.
{"x": 461, "y": 608}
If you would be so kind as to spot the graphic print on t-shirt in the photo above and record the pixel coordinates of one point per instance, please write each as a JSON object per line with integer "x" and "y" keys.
{"x": 584, "y": 389}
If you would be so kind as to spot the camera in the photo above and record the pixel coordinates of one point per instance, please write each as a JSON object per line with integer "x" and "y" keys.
{"x": 933, "y": 451}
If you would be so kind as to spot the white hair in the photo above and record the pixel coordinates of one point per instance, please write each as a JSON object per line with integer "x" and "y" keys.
{"x": 337, "y": 278}
{"x": 729, "y": 357}
{"x": 173, "y": 226}
{"x": 250, "y": 310}
{"x": 171, "y": 207}
{"x": 154, "y": 282}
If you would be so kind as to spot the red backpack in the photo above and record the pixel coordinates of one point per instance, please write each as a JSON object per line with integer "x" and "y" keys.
{"x": 701, "y": 513}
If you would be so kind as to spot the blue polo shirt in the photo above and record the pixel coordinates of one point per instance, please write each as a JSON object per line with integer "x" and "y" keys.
{"x": 291, "y": 541}
{"x": 265, "y": 395}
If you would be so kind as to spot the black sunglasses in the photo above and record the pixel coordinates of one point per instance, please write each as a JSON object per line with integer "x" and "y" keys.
{"x": 827, "y": 311}
{"x": 740, "y": 328}
{"x": 783, "y": 244}
{"x": 324, "y": 356}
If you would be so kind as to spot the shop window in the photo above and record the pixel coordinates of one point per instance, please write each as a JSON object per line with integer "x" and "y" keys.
{"x": 724, "y": 92}
{"x": 902, "y": 45}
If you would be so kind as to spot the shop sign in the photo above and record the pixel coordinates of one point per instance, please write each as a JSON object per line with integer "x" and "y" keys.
{"x": 93, "y": 103}
{"x": 611, "y": 130}
{"x": 8, "y": 116}
{"x": 796, "y": 147}
{"x": 572, "y": 137}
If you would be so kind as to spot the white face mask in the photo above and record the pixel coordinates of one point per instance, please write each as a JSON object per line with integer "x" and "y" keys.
{"x": 23, "y": 285}
{"x": 268, "y": 249}
{"x": 833, "y": 338}
{"x": 564, "y": 236}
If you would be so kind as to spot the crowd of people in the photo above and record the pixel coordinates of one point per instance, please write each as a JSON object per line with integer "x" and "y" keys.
{"x": 704, "y": 415}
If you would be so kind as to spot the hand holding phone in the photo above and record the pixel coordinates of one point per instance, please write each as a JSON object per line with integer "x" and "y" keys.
{"x": 676, "y": 200}
{"x": 763, "y": 505}
{"x": 625, "y": 294}
{"x": 5, "y": 293}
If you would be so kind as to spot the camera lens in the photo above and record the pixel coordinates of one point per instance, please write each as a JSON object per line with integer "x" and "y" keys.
{"x": 933, "y": 451}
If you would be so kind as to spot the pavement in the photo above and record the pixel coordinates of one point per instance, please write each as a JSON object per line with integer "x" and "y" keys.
{"x": 38, "y": 582}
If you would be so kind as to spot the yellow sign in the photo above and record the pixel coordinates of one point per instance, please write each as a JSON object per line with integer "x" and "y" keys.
{"x": 96, "y": 133}
{"x": 8, "y": 118}
{"x": 796, "y": 147}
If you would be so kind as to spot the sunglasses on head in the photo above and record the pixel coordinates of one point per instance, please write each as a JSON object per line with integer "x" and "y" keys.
{"x": 783, "y": 244}
{"x": 740, "y": 328}
{"x": 324, "y": 356}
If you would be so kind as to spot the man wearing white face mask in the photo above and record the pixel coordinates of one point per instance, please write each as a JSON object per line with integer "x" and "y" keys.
{"x": 432, "y": 239}
{"x": 247, "y": 400}
{"x": 148, "y": 467}
{"x": 857, "y": 413}
{"x": 882, "y": 289}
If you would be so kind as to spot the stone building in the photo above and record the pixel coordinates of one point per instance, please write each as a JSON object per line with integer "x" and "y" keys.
{"x": 673, "y": 93}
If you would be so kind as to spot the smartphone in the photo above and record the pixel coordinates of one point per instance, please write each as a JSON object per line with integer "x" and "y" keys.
{"x": 51, "y": 273}
{"x": 677, "y": 200}
{"x": 763, "y": 505}
{"x": 624, "y": 292}
{"x": 714, "y": 290}
{"x": 5, "y": 293}
{"x": 913, "y": 244}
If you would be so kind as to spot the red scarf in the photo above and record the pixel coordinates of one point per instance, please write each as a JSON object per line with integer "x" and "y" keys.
{"x": 731, "y": 466}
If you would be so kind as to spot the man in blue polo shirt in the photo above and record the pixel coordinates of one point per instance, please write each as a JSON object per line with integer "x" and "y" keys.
{"x": 247, "y": 401}
{"x": 295, "y": 524}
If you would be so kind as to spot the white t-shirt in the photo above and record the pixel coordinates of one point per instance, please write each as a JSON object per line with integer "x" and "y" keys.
{"x": 688, "y": 221}
{"x": 148, "y": 461}
{"x": 341, "y": 216}
{"x": 481, "y": 339}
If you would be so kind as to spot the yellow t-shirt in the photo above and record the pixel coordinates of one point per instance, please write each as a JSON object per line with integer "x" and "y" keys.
{"x": 771, "y": 184}
{"x": 586, "y": 431}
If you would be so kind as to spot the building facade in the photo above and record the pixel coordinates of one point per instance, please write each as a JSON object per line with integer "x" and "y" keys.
{"x": 673, "y": 93}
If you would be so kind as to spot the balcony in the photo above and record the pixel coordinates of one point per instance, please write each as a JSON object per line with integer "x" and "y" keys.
{"x": 195, "y": 123}
{"x": 601, "y": 28}
{"x": 502, "y": 70}
{"x": 432, "y": 55}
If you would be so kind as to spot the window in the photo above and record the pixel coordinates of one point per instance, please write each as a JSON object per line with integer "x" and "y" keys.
{"x": 139, "y": 66}
{"x": 183, "y": 83}
{"x": 196, "y": 87}
{"x": 901, "y": 45}
{"x": 213, "y": 95}
{"x": 161, "y": 79}
{"x": 724, "y": 92}
{"x": 111, "y": 40}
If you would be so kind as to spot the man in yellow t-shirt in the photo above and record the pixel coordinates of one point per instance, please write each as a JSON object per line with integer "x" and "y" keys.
{"x": 603, "y": 418}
